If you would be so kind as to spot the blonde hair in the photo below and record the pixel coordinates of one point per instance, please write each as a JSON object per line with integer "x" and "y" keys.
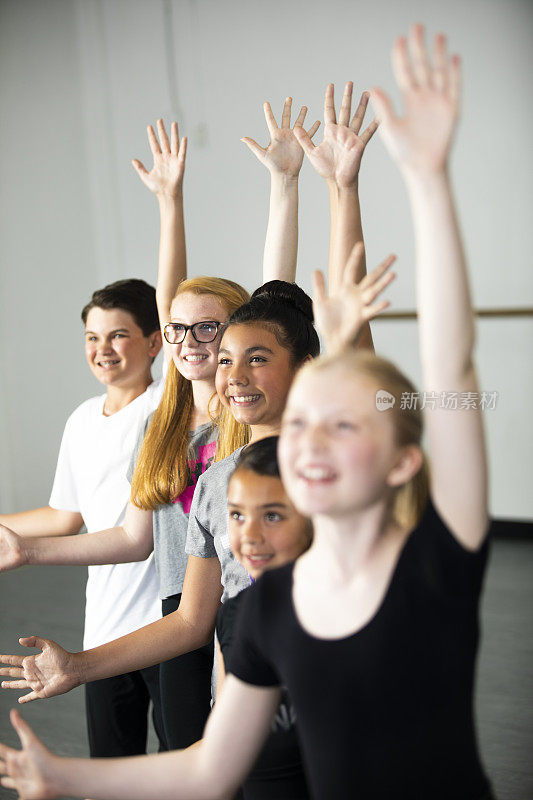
{"x": 409, "y": 500}
{"x": 162, "y": 470}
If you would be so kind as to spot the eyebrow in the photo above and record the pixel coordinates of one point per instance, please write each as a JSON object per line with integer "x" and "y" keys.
{"x": 250, "y": 350}
{"x": 116, "y": 330}
{"x": 264, "y": 506}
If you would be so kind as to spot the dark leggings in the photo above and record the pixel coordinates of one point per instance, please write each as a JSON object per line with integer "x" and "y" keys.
{"x": 185, "y": 684}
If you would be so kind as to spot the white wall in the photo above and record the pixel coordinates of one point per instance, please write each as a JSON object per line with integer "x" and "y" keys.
{"x": 79, "y": 82}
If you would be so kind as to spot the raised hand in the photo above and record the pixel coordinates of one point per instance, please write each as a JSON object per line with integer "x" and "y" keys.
{"x": 421, "y": 140}
{"x": 284, "y": 154}
{"x": 166, "y": 176}
{"x": 13, "y": 552}
{"x": 339, "y": 318}
{"x": 29, "y": 771}
{"x": 51, "y": 672}
{"x": 338, "y": 156}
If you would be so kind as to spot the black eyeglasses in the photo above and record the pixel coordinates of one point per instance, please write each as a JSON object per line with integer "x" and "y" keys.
{"x": 175, "y": 332}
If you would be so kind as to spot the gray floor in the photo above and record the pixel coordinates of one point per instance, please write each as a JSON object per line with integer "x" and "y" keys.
{"x": 49, "y": 602}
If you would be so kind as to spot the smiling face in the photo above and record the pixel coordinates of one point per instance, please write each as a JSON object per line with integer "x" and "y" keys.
{"x": 337, "y": 452}
{"x": 265, "y": 529}
{"x": 117, "y": 351}
{"x": 254, "y": 374}
{"x": 196, "y": 360}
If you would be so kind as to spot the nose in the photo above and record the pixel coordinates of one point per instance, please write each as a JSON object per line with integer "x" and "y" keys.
{"x": 189, "y": 340}
{"x": 251, "y": 532}
{"x": 315, "y": 437}
{"x": 105, "y": 346}
{"x": 237, "y": 375}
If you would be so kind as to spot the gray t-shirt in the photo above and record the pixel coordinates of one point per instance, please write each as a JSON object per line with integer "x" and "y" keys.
{"x": 208, "y": 533}
{"x": 170, "y": 521}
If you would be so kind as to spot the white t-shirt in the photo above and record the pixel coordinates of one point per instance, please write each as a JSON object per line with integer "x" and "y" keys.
{"x": 91, "y": 479}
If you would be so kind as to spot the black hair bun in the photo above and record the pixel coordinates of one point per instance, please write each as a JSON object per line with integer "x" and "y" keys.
{"x": 289, "y": 293}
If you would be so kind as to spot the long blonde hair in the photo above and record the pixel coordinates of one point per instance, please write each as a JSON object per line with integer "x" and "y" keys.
{"x": 409, "y": 500}
{"x": 162, "y": 469}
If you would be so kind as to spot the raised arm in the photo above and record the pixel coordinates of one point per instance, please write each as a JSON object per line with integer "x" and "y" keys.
{"x": 338, "y": 159}
{"x": 56, "y": 671}
{"x": 131, "y": 542}
{"x": 340, "y": 317}
{"x": 236, "y": 729}
{"x": 283, "y": 158}
{"x": 165, "y": 180}
{"x": 420, "y": 143}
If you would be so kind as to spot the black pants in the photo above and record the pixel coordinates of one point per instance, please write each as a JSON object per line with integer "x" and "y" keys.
{"x": 117, "y": 713}
{"x": 185, "y": 684}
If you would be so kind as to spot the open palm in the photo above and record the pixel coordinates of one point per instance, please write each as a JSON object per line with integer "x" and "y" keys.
{"x": 166, "y": 175}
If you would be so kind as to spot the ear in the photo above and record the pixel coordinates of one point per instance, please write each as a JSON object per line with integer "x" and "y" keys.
{"x": 408, "y": 464}
{"x": 156, "y": 343}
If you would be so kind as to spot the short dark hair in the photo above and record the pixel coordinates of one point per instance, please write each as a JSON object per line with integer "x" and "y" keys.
{"x": 133, "y": 295}
{"x": 260, "y": 457}
{"x": 288, "y": 311}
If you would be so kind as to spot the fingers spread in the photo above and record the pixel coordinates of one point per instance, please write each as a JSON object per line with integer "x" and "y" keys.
{"x": 402, "y": 66}
{"x": 152, "y": 139}
{"x": 455, "y": 79}
{"x": 357, "y": 119}
{"x": 163, "y": 138}
{"x": 440, "y": 71}
{"x": 369, "y": 132}
{"x": 419, "y": 56}
{"x": 313, "y": 129}
{"x": 329, "y": 106}
{"x": 15, "y": 661}
{"x": 174, "y": 139}
{"x": 286, "y": 113}
{"x": 27, "y": 698}
{"x": 301, "y": 116}
{"x": 23, "y": 684}
{"x": 270, "y": 119}
{"x": 182, "y": 150}
{"x": 346, "y": 104}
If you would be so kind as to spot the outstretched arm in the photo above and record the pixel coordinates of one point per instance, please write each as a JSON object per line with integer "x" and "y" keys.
{"x": 165, "y": 180}
{"x": 131, "y": 542}
{"x": 235, "y": 731}
{"x": 56, "y": 671}
{"x": 420, "y": 143}
{"x": 338, "y": 159}
{"x": 45, "y": 521}
{"x": 283, "y": 158}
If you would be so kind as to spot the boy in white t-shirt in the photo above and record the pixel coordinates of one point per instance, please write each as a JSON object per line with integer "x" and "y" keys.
{"x": 122, "y": 338}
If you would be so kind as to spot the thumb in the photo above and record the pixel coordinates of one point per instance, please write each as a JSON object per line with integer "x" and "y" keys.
{"x": 33, "y": 641}
{"x": 256, "y": 149}
{"x": 319, "y": 287}
{"x": 139, "y": 167}
{"x": 382, "y": 105}
{"x": 24, "y": 732}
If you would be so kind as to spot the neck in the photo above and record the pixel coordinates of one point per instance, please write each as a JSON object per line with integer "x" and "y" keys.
{"x": 262, "y": 431}
{"x": 342, "y": 545}
{"x": 118, "y": 397}
{"x": 202, "y": 392}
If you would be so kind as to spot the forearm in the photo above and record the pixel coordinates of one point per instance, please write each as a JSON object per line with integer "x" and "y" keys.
{"x": 45, "y": 521}
{"x": 346, "y": 230}
{"x": 281, "y": 244}
{"x": 112, "y": 546}
{"x": 172, "y": 252}
{"x": 446, "y": 325}
{"x": 166, "y": 638}
{"x": 167, "y": 776}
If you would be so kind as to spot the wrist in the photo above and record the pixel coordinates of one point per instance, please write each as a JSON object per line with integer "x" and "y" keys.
{"x": 283, "y": 182}
{"x": 79, "y": 668}
{"x": 424, "y": 177}
{"x": 169, "y": 200}
{"x": 343, "y": 190}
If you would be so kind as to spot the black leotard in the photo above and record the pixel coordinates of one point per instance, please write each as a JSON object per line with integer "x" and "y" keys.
{"x": 386, "y": 712}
